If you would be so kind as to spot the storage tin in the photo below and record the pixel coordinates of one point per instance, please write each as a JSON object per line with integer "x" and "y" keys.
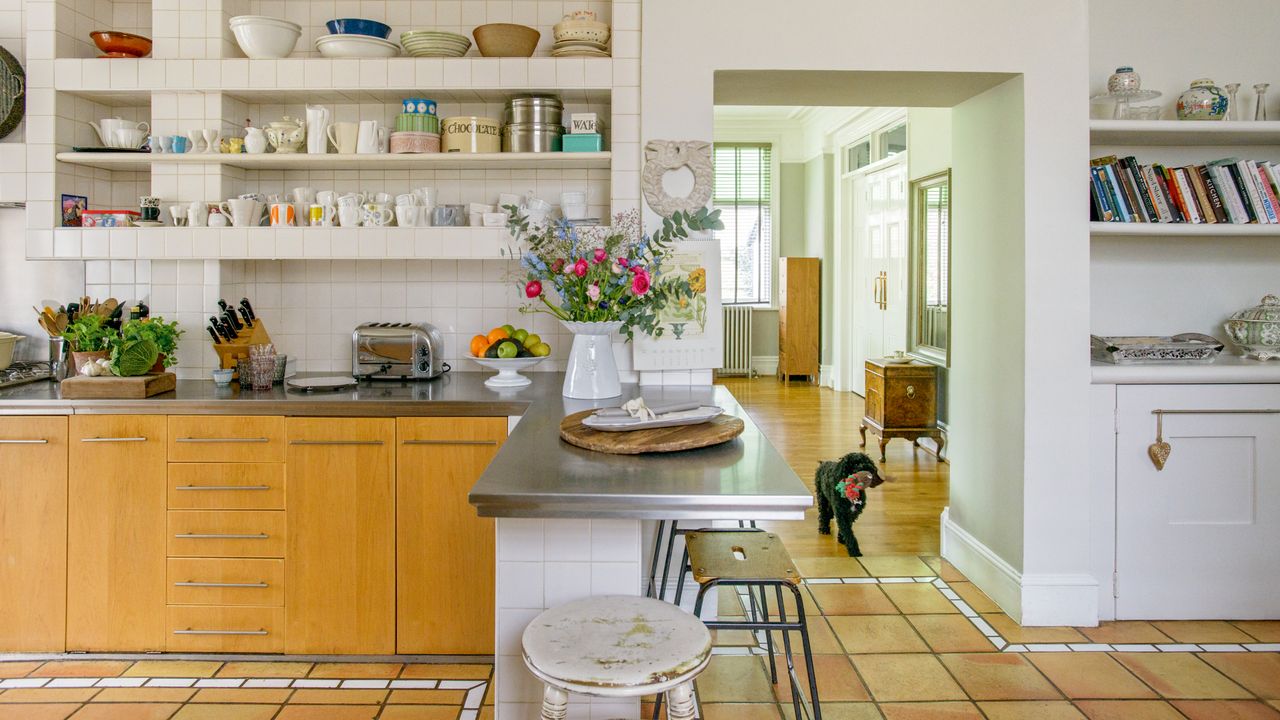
{"x": 583, "y": 142}
{"x": 470, "y": 134}
{"x": 525, "y": 109}
{"x": 532, "y": 137}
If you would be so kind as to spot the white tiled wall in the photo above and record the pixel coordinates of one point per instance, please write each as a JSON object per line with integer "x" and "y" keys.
{"x": 13, "y": 151}
{"x": 75, "y": 19}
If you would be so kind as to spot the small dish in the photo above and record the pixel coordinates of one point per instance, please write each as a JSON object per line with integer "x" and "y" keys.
{"x": 322, "y": 384}
{"x": 359, "y": 26}
{"x": 147, "y": 223}
{"x": 508, "y": 371}
{"x": 121, "y": 44}
{"x": 222, "y": 377}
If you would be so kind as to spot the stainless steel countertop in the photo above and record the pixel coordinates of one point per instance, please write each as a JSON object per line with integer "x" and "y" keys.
{"x": 535, "y": 474}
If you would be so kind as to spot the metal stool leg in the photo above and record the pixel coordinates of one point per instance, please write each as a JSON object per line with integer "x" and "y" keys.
{"x": 808, "y": 653}
{"x": 786, "y": 644}
{"x": 684, "y": 570}
{"x": 666, "y": 566}
{"x": 768, "y": 635}
{"x": 555, "y": 703}
{"x": 653, "y": 563}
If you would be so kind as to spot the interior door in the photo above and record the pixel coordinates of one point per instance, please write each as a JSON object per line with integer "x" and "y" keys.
{"x": 893, "y": 288}
{"x": 862, "y": 300}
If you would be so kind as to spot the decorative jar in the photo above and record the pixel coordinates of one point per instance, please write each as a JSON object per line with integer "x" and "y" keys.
{"x": 1124, "y": 81}
{"x": 1202, "y": 101}
{"x": 1257, "y": 329}
{"x": 592, "y": 373}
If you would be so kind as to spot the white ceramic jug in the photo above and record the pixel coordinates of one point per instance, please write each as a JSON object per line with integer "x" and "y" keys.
{"x": 371, "y": 138}
{"x": 106, "y": 129}
{"x": 318, "y": 119}
{"x": 255, "y": 140}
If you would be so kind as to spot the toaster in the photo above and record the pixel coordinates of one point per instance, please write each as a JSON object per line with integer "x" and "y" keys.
{"x": 397, "y": 351}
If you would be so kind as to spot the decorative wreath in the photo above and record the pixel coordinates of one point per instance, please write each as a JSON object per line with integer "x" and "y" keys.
{"x": 854, "y": 487}
{"x": 663, "y": 156}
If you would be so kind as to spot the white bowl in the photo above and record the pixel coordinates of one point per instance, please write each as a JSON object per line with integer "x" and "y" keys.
{"x": 351, "y": 46}
{"x": 262, "y": 37}
{"x": 508, "y": 371}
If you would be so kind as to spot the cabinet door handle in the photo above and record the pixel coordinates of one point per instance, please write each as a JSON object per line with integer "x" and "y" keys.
{"x": 223, "y": 440}
{"x": 336, "y": 442}
{"x": 24, "y": 442}
{"x": 222, "y": 536}
{"x": 189, "y": 631}
{"x": 194, "y": 583}
{"x": 114, "y": 439}
{"x": 223, "y": 487}
{"x": 450, "y": 442}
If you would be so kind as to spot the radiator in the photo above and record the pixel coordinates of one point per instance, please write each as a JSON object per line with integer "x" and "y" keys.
{"x": 737, "y": 340}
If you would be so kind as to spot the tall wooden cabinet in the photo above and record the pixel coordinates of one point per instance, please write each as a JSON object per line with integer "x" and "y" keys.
{"x": 33, "y": 533}
{"x": 799, "y": 296}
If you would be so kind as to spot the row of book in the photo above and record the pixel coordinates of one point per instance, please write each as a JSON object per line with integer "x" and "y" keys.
{"x": 1229, "y": 190}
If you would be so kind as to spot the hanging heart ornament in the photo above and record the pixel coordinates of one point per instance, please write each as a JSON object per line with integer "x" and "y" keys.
{"x": 1159, "y": 450}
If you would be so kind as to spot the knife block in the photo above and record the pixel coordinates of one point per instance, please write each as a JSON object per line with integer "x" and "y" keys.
{"x": 228, "y": 350}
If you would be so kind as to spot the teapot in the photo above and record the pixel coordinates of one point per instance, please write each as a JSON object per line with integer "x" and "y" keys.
{"x": 255, "y": 140}
{"x": 287, "y": 135}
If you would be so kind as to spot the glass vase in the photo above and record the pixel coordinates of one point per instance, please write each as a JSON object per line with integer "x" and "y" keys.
{"x": 1260, "y": 108}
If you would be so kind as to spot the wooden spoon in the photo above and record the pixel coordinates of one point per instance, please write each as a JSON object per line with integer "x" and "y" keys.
{"x": 62, "y": 321}
{"x": 44, "y": 323}
{"x": 111, "y": 305}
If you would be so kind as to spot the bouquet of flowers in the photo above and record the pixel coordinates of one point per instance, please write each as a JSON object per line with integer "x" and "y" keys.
{"x": 606, "y": 274}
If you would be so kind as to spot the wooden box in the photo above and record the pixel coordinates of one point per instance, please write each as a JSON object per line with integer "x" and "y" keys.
{"x": 901, "y": 402}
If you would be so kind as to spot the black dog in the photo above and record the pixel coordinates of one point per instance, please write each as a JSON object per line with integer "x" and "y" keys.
{"x": 833, "y": 503}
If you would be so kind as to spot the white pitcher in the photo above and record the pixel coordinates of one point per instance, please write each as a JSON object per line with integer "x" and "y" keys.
{"x": 371, "y": 138}
{"x": 318, "y": 119}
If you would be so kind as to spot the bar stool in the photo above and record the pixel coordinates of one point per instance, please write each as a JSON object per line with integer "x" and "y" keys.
{"x": 616, "y": 646}
{"x": 655, "y": 589}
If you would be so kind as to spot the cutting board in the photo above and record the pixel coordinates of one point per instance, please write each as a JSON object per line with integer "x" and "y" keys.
{"x": 104, "y": 387}
{"x": 654, "y": 440}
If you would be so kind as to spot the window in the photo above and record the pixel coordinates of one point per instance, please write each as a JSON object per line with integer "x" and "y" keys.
{"x": 743, "y": 195}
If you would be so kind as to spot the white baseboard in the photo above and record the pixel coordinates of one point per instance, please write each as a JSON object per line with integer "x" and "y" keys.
{"x": 764, "y": 365}
{"x": 1031, "y": 600}
{"x": 826, "y": 376}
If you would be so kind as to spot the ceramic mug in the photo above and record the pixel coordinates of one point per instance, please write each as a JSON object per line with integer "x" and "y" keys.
{"x": 197, "y": 214}
{"x": 178, "y": 143}
{"x": 426, "y": 196}
{"x": 244, "y": 212}
{"x": 315, "y": 215}
{"x": 349, "y": 216}
{"x": 407, "y": 215}
{"x": 406, "y": 199}
{"x": 217, "y": 219}
{"x": 282, "y": 215}
{"x": 327, "y": 197}
{"x": 343, "y": 135}
{"x": 130, "y": 138}
{"x": 371, "y": 138}
{"x": 446, "y": 215}
{"x": 376, "y": 215}
{"x": 149, "y": 208}
{"x": 379, "y": 197}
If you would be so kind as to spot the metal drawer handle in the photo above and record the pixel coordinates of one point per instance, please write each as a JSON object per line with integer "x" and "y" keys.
{"x": 193, "y": 583}
{"x": 114, "y": 439}
{"x": 24, "y": 442}
{"x": 189, "y": 631}
{"x": 336, "y": 442}
{"x": 222, "y": 440}
{"x": 911, "y": 391}
{"x": 450, "y": 442}
{"x": 223, "y": 487}
{"x": 222, "y": 536}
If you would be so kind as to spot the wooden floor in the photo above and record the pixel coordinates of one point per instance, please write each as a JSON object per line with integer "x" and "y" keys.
{"x": 807, "y": 424}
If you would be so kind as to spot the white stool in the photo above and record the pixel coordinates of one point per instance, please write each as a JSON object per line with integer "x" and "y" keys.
{"x": 616, "y": 646}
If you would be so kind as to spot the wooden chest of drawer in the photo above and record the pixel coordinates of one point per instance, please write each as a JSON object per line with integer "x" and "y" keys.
{"x": 226, "y": 486}
{"x": 901, "y": 395}
{"x": 230, "y": 438}
{"x": 226, "y": 533}
{"x": 216, "y": 628}
{"x": 226, "y": 581}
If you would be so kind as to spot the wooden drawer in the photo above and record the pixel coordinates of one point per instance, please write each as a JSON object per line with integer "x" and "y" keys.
{"x": 226, "y": 581}
{"x": 874, "y": 405}
{"x": 909, "y": 402}
{"x": 217, "y": 628}
{"x": 226, "y": 533}
{"x": 226, "y": 486}
{"x": 231, "y": 438}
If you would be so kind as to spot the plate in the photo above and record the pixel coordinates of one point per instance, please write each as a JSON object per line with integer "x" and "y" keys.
{"x": 706, "y": 413}
{"x": 578, "y": 52}
{"x": 340, "y": 46}
{"x": 87, "y": 149}
{"x": 147, "y": 223}
{"x": 331, "y": 383}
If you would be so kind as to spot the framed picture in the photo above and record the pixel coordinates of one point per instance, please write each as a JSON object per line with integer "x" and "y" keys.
{"x": 692, "y": 336}
{"x": 73, "y": 207}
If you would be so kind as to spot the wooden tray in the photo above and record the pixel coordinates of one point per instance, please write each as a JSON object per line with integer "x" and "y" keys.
{"x": 654, "y": 440}
{"x": 82, "y": 387}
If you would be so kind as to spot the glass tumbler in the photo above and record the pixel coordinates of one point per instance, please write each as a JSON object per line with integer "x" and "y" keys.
{"x": 264, "y": 371}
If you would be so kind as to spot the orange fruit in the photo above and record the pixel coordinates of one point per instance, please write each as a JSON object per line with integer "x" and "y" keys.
{"x": 497, "y": 334}
{"x": 479, "y": 344}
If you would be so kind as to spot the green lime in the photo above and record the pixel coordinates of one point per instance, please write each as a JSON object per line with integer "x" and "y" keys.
{"x": 540, "y": 350}
{"x": 511, "y": 329}
{"x": 521, "y": 334}
{"x": 507, "y": 350}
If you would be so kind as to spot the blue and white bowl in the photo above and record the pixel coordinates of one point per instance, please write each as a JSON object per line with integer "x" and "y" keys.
{"x": 419, "y": 106}
{"x": 359, "y": 26}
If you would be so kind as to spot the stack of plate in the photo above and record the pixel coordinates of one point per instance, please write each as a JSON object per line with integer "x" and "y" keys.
{"x": 350, "y": 45}
{"x": 579, "y": 48}
{"x": 434, "y": 43}
{"x": 581, "y": 37}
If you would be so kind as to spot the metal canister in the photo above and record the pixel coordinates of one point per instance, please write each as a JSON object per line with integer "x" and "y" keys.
{"x": 532, "y": 137}
{"x": 523, "y": 109}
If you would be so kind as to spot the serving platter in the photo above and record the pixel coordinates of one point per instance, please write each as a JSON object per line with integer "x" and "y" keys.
{"x": 329, "y": 383}
{"x": 720, "y": 429}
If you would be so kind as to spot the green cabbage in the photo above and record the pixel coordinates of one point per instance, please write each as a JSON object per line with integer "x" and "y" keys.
{"x": 134, "y": 357}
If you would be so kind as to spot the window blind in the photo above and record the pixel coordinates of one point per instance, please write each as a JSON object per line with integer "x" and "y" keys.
{"x": 743, "y": 195}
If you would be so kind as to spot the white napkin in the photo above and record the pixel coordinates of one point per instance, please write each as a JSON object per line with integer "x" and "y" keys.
{"x": 637, "y": 408}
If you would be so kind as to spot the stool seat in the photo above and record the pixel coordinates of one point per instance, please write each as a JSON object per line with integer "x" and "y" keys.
{"x": 739, "y": 555}
{"x": 616, "y": 645}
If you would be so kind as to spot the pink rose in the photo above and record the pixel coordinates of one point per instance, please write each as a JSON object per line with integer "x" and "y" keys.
{"x": 593, "y": 292}
{"x": 623, "y": 262}
{"x": 640, "y": 283}
{"x": 616, "y": 269}
{"x": 557, "y": 265}
{"x": 580, "y": 268}
{"x": 533, "y": 289}
{"x": 599, "y": 256}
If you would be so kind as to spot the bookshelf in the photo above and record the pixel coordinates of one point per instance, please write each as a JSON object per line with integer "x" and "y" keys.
{"x": 1183, "y": 132}
{"x": 1123, "y": 229}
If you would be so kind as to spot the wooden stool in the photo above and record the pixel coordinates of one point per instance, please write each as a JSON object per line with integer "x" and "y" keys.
{"x": 616, "y": 646}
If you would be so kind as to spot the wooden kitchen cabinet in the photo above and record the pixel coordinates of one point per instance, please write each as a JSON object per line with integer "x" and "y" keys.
{"x": 341, "y": 549}
{"x": 116, "y": 533}
{"x": 33, "y": 534}
{"x": 444, "y": 551}
{"x": 799, "y": 288}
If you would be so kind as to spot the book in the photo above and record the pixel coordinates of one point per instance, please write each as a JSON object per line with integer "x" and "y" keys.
{"x": 1132, "y": 203}
{"x": 1202, "y": 195}
{"x": 1227, "y": 191}
{"x": 1269, "y": 201}
{"x": 1215, "y": 201}
{"x": 1157, "y": 194}
{"x": 1102, "y": 205}
{"x": 1163, "y": 182}
{"x": 1238, "y": 182}
{"x": 1147, "y": 205}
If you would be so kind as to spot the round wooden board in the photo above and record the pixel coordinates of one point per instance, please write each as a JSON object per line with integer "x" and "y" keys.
{"x": 654, "y": 440}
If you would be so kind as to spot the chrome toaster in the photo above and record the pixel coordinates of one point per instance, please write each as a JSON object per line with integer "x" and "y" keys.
{"x": 397, "y": 351}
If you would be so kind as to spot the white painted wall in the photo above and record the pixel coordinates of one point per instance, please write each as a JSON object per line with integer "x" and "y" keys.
{"x": 928, "y": 141}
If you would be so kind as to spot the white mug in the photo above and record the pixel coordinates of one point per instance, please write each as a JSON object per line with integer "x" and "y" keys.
{"x": 197, "y": 214}
{"x": 343, "y": 135}
{"x": 426, "y": 196}
{"x": 217, "y": 219}
{"x": 244, "y": 212}
{"x": 376, "y": 215}
{"x": 349, "y": 216}
{"x": 303, "y": 195}
{"x": 371, "y": 138}
{"x": 350, "y": 200}
{"x": 326, "y": 197}
{"x": 379, "y": 197}
{"x": 407, "y": 215}
{"x": 573, "y": 198}
{"x": 406, "y": 199}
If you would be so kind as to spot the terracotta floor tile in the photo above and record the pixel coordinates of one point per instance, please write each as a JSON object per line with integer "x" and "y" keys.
{"x": 837, "y": 682}
{"x": 727, "y": 603}
{"x": 47, "y": 695}
{"x": 976, "y": 599}
{"x": 742, "y": 711}
{"x": 1202, "y": 631}
{"x": 265, "y": 669}
{"x": 828, "y": 567}
{"x": 832, "y": 711}
{"x": 733, "y": 638}
{"x": 950, "y": 574}
{"x": 328, "y": 712}
{"x": 1180, "y": 675}
{"x": 356, "y": 670}
{"x": 1126, "y": 631}
{"x": 313, "y": 696}
{"x": 428, "y": 712}
{"x": 895, "y": 566}
{"x": 950, "y": 633}
{"x": 821, "y": 638}
{"x": 144, "y": 695}
{"x": 17, "y": 669}
{"x": 37, "y": 712}
{"x": 735, "y": 678}
{"x": 1259, "y": 672}
{"x": 173, "y": 668}
{"x": 1128, "y": 710}
{"x": 999, "y": 676}
{"x": 1089, "y": 675}
{"x": 1267, "y": 631}
{"x": 241, "y": 695}
{"x": 852, "y": 600}
{"x": 121, "y": 711}
{"x": 810, "y": 607}
{"x": 930, "y": 711}
{"x": 1225, "y": 710}
{"x": 877, "y": 634}
{"x": 82, "y": 668}
{"x": 227, "y": 712}
{"x": 427, "y": 697}
{"x": 906, "y": 677}
{"x": 447, "y": 672}
{"x": 918, "y": 599}
{"x": 1030, "y": 710}
{"x": 1014, "y": 633}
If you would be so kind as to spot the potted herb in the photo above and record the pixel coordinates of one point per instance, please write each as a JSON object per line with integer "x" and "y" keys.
{"x": 144, "y": 346}
{"x": 88, "y": 338}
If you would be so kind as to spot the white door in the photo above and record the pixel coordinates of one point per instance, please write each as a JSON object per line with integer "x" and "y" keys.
{"x": 879, "y": 229}
{"x": 893, "y": 291}
{"x": 1200, "y": 539}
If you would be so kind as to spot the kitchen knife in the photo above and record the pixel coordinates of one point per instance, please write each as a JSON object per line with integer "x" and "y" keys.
{"x": 215, "y": 324}
{"x": 213, "y": 334}
{"x": 244, "y": 303}
{"x": 617, "y": 412}
{"x": 222, "y": 304}
{"x": 228, "y": 330}
{"x": 248, "y": 321}
{"x": 230, "y": 315}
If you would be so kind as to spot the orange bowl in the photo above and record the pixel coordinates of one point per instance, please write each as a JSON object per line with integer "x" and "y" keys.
{"x": 121, "y": 44}
{"x": 506, "y": 40}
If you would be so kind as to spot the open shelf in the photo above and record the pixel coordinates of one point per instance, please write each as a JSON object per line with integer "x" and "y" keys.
{"x": 1117, "y": 229}
{"x": 333, "y": 161}
{"x": 1183, "y": 132}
